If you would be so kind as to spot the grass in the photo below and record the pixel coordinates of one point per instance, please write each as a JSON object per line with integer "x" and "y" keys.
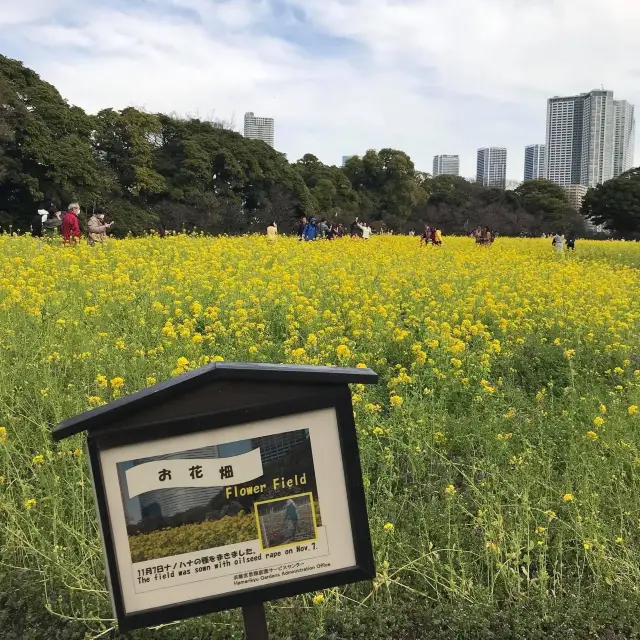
{"x": 500, "y": 452}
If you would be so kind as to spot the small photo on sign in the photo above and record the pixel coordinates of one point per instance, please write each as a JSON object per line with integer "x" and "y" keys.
{"x": 284, "y": 521}
{"x": 202, "y": 499}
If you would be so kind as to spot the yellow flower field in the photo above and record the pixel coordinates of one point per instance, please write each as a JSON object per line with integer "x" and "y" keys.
{"x": 501, "y": 449}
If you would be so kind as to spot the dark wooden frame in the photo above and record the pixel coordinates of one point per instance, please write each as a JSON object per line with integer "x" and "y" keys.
{"x": 329, "y": 395}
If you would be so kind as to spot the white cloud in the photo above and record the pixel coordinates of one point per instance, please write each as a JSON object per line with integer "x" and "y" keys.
{"x": 427, "y": 77}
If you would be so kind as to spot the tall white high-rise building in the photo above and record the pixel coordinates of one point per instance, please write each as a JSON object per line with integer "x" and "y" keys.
{"x": 259, "y": 128}
{"x": 624, "y": 137}
{"x": 590, "y": 138}
{"x": 491, "y": 170}
{"x": 446, "y": 165}
{"x": 346, "y": 159}
{"x": 534, "y": 155}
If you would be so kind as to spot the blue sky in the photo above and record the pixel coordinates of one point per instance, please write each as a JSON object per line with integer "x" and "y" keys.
{"x": 339, "y": 76}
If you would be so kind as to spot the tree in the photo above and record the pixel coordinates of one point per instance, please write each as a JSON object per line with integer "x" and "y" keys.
{"x": 46, "y": 149}
{"x": 616, "y": 204}
{"x": 547, "y": 202}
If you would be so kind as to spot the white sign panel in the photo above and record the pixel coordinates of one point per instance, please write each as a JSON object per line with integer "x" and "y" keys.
{"x": 216, "y": 512}
{"x": 207, "y": 472}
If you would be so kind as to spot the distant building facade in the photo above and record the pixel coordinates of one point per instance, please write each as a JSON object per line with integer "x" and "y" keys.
{"x": 576, "y": 194}
{"x": 534, "y": 155}
{"x": 590, "y": 138}
{"x": 346, "y": 159}
{"x": 259, "y": 128}
{"x": 491, "y": 168}
{"x": 624, "y": 142}
{"x": 446, "y": 165}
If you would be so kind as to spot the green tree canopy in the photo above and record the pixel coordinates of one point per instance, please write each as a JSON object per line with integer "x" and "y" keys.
{"x": 616, "y": 204}
{"x": 547, "y": 202}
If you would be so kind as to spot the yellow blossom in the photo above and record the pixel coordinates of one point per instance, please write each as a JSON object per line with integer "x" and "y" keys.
{"x": 343, "y": 351}
{"x": 396, "y": 400}
{"x": 632, "y": 410}
{"x": 102, "y": 380}
{"x": 117, "y": 383}
{"x": 30, "y": 503}
{"x": 318, "y": 599}
{"x": 592, "y": 435}
{"x": 568, "y": 497}
{"x": 151, "y": 381}
{"x": 389, "y": 527}
{"x": 38, "y": 460}
{"x": 3, "y": 434}
{"x": 450, "y": 490}
{"x": 598, "y": 421}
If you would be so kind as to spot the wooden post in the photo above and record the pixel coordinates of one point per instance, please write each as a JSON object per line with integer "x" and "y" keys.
{"x": 255, "y": 622}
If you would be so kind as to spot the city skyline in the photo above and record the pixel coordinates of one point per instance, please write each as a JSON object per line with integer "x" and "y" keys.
{"x": 338, "y": 77}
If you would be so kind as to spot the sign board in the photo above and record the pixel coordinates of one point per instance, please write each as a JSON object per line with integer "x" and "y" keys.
{"x": 226, "y": 487}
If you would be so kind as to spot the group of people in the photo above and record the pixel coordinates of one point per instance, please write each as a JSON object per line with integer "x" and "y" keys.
{"x": 431, "y": 235}
{"x": 483, "y": 235}
{"x": 51, "y": 222}
{"x": 311, "y": 229}
{"x": 558, "y": 242}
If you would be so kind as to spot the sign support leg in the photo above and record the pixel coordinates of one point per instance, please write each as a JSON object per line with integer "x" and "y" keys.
{"x": 255, "y": 622}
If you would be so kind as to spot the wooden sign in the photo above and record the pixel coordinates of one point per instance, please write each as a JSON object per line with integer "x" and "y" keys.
{"x": 226, "y": 487}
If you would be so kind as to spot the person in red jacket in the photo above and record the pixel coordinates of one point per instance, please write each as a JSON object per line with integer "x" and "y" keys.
{"x": 70, "y": 224}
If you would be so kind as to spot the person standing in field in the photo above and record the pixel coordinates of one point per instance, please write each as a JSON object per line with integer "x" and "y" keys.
{"x": 272, "y": 232}
{"x": 301, "y": 228}
{"x": 71, "y": 225}
{"x": 291, "y": 513}
{"x": 53, "y": 223}
{"x": 310, "y": 232}
{"x": 366, "y": 230}
{"x": 36, "y": 226}
{"x": 571, "y": 242}
{"x": 558, "y": 242}
{"x": 437, "y": 238}
{"x": 323, "y": 228}
{"x": 96, "y": 227}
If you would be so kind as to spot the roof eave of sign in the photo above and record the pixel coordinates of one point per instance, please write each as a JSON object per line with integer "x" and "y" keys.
{"x": 240, "y": 371}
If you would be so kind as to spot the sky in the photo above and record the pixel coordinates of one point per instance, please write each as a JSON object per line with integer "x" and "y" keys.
{"x": 339, "y": 76}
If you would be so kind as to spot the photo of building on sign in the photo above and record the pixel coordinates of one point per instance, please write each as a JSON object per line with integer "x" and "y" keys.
{"x": 283, "y": 521}
{"x": 205, "y": 498}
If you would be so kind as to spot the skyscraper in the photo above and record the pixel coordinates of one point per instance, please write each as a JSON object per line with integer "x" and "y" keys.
{"x": 590, "y": 138}
{"x": 446, "y": 165}
{"x": 259, "y": 128}
{"x": 534, "y": 155}
{"x": 492, "y": 167}
{"x": 624, "y": 137}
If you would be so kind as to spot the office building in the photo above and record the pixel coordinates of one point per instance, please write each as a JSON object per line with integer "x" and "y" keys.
{"x": 346, "y": 159}
{"x": 259, "y": 128}
{"x": 446, "y": 165}
{"x": 590, "y": 138}
{"x": 576, "y": 193}
{"x": 624, "y": 137}
{"x": 534, "y": 155}
{"x": 491, "y": 168}
{"x": 279, "y": 445}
